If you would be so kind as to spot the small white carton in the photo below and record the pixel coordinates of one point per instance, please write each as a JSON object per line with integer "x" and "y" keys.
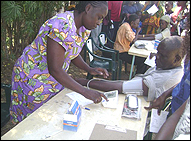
{"x": 72, "y": 117}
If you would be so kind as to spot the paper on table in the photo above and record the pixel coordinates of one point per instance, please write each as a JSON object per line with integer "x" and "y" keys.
{"x": 150, "y": 62}
{"x": 157, "y": 120}
{"x": 152, "y": 10}
{"x": 80, "y": 98}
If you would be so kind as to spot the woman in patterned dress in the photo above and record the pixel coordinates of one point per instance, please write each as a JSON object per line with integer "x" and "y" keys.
{"x": 41, "y": 71}
{"x": 150, "y": 23}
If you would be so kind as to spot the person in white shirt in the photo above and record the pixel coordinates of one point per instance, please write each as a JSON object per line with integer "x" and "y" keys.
{"x": 162, "y": 32}
{"x": 167, "y": 72}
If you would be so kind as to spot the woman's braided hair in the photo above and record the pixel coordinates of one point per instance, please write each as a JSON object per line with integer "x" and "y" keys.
{"x": 80, "y": 7}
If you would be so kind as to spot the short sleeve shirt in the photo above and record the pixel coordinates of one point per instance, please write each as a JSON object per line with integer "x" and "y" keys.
{"x": 125, "y": 36}
{"x": 158, "y": 80}
{"x": 61, "y": 28}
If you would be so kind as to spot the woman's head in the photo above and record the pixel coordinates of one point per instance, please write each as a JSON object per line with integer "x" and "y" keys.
{"x": 164, "y": 22}
{"x": 133, "y": 20}
{"x": 92, "y": 12}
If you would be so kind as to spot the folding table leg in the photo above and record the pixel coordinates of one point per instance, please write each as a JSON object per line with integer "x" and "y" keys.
{"x": 132, "y": 64}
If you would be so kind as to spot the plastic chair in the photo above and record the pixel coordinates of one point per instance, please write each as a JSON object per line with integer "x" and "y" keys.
{"x": 5, "y": 113}
{"x": 98, "y": 61}
{"x": 103, "y": 40}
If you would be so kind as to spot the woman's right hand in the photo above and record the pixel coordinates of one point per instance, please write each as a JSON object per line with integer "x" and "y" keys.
{"x": 93, "y": 95}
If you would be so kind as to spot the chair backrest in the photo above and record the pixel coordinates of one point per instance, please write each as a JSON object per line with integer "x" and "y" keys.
{"x": 102, "y": 38}
{"x": 89, "y": 44}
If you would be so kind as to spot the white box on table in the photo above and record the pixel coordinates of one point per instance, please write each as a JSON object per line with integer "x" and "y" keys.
{"x": 72, "y": 117}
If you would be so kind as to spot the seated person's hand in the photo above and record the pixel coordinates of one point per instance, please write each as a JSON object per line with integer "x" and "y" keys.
{"x": 99, "y": 71}
{"x": 157, "y": 104}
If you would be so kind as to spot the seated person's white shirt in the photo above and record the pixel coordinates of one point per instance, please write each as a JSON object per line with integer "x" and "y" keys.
{"x": 157, "y": 80}
{"x": 165, "y": 33}
{"x": 183, "y": 125}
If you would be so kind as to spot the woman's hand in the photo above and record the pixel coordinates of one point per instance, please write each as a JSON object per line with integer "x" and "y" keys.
{"x": 99, "y": 71}
{"x": 93, "y": 95}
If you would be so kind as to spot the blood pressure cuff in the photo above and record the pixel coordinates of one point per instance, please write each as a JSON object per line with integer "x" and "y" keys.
{"x": 133, "y": 85}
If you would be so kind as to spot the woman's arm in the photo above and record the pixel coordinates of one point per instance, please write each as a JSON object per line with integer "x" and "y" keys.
{"x": 80, "y": 63}
{"x": 55, "y": 61}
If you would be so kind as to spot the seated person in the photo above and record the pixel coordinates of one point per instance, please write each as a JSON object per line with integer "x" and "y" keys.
{"x": 139, "y": 13}
{"x": 162, "y": 32}
{"x": 125, "y": 36}
{"x": 167, "y": 72}
{"x": 177, "y": 126}
{"x": 179, "y": 92}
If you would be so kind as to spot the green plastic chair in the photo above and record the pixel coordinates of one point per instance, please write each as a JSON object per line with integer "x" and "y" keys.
{"x": 5, "y": 113}
{"x": 98, "y": 61}
{"x": 103, "y": 39}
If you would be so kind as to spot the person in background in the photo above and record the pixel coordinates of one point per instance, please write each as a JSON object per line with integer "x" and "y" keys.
{"x": 114, "y": 11}
{"x": 94, "y": 34}
{"x": 139, "y": 13}
{"x": 179, "y": 14}
{"x": 150, "y": 23}
{"x": 128, "y": 9}
{"x": 156, "y": 80}
{"x": 162, "y": 32}
{"x": 125, "y": 37}
{"x": 41, "y": 71}
{"x": 138, "y": 5}
{"x": 168, "y": 8}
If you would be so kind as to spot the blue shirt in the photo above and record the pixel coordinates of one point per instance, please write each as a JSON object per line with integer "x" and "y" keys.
{"x": 182, "y": 91}
{"x": 129, "y": 9}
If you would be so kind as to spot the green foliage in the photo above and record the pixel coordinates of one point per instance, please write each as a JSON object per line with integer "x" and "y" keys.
{"x": 10, "y": 11}
{"x": 20, "y": 22}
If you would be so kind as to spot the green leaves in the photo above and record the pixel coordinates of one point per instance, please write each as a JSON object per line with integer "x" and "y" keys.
{"x": 10, "y": 10}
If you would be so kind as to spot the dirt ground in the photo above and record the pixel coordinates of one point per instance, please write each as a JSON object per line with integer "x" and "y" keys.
{"x": 6, "y": 72}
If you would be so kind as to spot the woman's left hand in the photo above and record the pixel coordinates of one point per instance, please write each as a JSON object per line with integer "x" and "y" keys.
{"x": 99, "y": 71}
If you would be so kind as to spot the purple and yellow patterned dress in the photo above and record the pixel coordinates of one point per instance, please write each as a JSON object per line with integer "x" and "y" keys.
{"x": 32, "y": 85}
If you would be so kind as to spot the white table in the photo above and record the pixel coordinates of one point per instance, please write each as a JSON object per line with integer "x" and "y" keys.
{"x": 139, "y": 52}
{"x": 47, "y": 121}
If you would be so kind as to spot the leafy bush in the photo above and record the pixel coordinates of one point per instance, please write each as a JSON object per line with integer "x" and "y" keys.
{"x": 20, "y": 22}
